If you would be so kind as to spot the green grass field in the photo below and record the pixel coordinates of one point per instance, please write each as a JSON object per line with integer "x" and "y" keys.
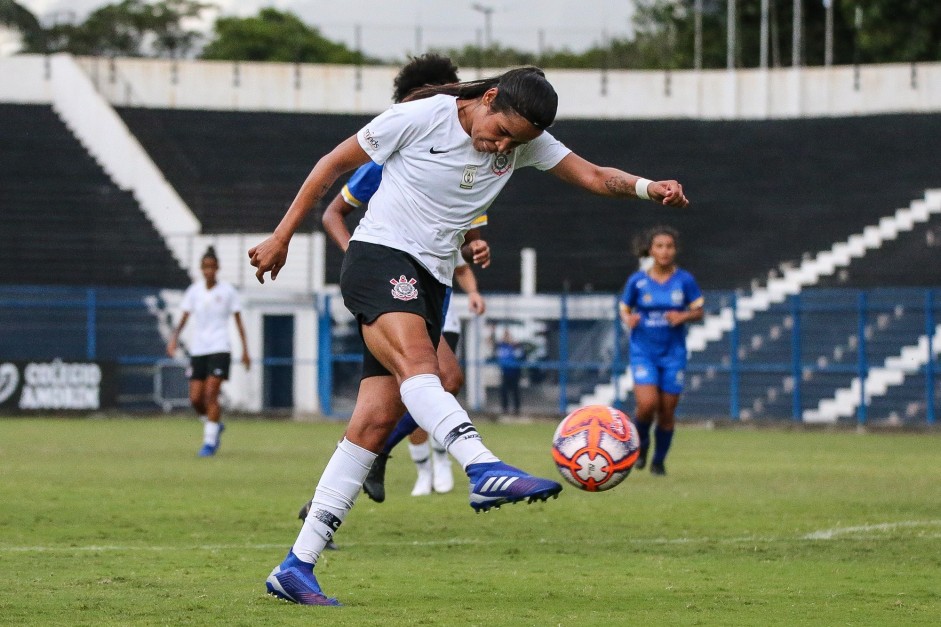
{"x": 116, "y": 522}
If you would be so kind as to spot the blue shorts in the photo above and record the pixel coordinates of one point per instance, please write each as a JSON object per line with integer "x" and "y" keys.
{"x": 665, "y": 372}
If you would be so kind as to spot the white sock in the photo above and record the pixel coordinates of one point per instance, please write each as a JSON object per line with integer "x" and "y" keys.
{"x": 336, "y": 492}
{"x": 211, "y": 433}
{"x": 438, "y": 412}
{"x": 419, "y": 452}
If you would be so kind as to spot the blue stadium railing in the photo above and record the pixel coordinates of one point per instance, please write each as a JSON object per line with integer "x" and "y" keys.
{"x": 829, "y": 338}
{"x": 777, "y": 365}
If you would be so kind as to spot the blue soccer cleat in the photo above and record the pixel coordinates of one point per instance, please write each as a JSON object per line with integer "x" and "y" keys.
{"x": 495, "y": 484}
{"x": 208, "y": 450}
{"x": 294, "y": 581}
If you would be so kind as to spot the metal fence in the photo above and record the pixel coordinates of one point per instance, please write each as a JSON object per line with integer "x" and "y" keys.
{"x": 78, "y": 324}
{"x": 825, "y": 355}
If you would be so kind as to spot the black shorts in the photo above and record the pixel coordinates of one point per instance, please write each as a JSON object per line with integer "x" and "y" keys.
{"x": 376, "y": 279}
{"x": 214, "y": 365}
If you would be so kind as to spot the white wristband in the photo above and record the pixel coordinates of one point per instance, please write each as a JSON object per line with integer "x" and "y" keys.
{"x": 640, "y": 188}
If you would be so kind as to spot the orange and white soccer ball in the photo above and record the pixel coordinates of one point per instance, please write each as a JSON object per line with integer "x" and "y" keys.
{"x": 595, "y": 447}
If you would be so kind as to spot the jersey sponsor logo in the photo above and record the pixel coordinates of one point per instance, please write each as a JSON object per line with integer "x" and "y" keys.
{"x": 404, "y": 289}
{"x": 501, "y": 164}
{"x": 470, "y": 174}
{"x": 438, "y": 152}
{"x": 371, "y": 139}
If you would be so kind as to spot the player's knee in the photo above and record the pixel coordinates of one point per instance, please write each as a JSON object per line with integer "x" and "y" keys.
{"x": 452, "y": 381}
{"x": 210, "y": 400}
{"x": 646, "y": 411}
{"x": 196, "y": 400}
{"x": 369, "y": 434}
{"x": 422, "y": 363}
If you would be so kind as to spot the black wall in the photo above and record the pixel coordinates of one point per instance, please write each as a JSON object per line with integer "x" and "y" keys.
{"x": 762, "y": 192}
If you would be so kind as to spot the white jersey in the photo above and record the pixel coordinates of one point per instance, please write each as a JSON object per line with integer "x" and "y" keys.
{"x": 434, "y": 184}
{"x": 452, "y": 322}
{"x": 209, "y": 312}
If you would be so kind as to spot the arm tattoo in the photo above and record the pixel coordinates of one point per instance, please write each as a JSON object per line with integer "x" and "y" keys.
{"x": 618, "y": 186}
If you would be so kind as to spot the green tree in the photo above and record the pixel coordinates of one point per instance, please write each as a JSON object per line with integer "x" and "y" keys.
{"x": 17, "y": 17}
{"x": 891, "y": 31}
{"x": 895, "y": 31}
{"x": 131, "y": 28}
{"x": 275, "y": 36}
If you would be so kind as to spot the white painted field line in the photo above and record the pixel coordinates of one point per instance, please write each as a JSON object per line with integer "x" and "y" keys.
{"x": 858, "y": 531}
{"x": 829, "y": 534}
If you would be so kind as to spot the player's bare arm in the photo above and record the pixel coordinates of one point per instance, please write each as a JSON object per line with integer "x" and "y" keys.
{"x": 174, "y": 338}
{"x": 675, "y": 318}
{"x": 246, "y": 358}
{"x": 271, "y": 254}
{"x": 612, "y": 182}
{"x": 464, "y": 276}
{"x": 334, "y": 221}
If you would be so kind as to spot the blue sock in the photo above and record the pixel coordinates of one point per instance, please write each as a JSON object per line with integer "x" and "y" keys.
{"x": 402, "y": 430}
{"x": 643, "y": 430}
{"x": 662, "y": 440}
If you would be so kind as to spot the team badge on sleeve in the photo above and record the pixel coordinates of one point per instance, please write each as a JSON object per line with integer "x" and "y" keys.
{"x": 404, "y": 289}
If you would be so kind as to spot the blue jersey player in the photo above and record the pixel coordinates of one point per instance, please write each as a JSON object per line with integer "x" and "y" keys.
{"x": 656, "y": 305}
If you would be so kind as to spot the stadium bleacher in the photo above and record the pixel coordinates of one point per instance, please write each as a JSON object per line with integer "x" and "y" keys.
{"x": 237, "y": 171}
{"x": 829, "y": 328}
{"x": 65, "y": 222}
{"x": 829, "y": 178}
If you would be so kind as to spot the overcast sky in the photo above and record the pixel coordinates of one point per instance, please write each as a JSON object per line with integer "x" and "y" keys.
{"x": 392, "y": 28}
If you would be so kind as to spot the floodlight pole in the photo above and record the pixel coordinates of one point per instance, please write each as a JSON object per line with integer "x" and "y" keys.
{"x": 797, "y": 41}
{"x": 765, "y": 10}
{"x": 487, "y": 11}
{"x": 730, "y": 42}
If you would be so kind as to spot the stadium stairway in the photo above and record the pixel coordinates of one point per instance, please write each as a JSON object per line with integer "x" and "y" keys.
{"x": 793, "y": 281}
{"x": 910, "y": 360}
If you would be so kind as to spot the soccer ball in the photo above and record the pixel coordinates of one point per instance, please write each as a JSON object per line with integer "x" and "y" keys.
{"x": 595, "y": 447}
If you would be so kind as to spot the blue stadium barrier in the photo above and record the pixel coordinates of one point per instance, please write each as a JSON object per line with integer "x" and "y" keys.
{"x": 832, "y": 336}
{"x": 85, "y": 324}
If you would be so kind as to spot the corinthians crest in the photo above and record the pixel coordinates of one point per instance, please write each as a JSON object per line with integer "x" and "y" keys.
{"x": 404, "y": 289}
{"x": 501, "y": 163}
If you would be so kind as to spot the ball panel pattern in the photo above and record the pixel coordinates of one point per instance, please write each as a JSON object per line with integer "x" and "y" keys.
{"x": 595, "y": 447}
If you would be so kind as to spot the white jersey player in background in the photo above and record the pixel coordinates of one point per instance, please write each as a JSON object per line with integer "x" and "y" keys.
{"x": 210, "y": 303}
